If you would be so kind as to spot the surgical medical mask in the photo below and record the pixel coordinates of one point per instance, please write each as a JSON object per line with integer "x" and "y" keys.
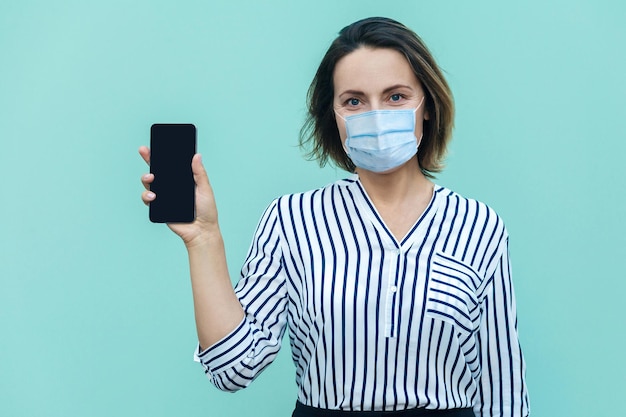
{"x": 380, "y": 140}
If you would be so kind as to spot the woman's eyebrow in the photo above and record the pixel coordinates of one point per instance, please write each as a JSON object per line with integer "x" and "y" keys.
{"x": 352, "y": 93}
{"x": 396, "y": 87}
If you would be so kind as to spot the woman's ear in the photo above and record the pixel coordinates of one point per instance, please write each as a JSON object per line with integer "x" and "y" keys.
{"x": 426, "y": 115}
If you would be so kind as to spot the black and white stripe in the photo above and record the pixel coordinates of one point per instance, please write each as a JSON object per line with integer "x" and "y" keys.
{"x": 375, "y": 323}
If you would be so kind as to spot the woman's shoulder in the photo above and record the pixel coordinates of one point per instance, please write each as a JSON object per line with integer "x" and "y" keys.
{"x": 474, "y": 211}
{"x": 315, "y": 193}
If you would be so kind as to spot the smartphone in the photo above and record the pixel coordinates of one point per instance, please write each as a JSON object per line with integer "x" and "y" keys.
{"x": 172, "y": 146}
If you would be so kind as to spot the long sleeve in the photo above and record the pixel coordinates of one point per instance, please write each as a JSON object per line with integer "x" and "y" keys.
{"x": 233, "y": 362}
{"x": 502, "y": 390}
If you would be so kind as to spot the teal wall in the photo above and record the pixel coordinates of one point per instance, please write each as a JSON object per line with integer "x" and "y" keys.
{"x": 95, "y": 303}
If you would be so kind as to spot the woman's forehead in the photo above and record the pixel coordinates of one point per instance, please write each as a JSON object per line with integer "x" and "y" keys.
{"x": 373, "y": 70}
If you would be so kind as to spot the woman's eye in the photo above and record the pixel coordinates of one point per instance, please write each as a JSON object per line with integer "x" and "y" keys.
{"x": 354, "y": 102}
{"x": 396, "y": 97}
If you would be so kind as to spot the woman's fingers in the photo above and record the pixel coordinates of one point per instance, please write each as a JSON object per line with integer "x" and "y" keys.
{"x": 144, "y": 151}
{"x": 146, "y": 180}
{"x": 147, "y": 197}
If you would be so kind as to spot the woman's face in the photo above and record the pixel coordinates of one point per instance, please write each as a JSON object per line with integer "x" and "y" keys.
{"x": 375, "y": 79}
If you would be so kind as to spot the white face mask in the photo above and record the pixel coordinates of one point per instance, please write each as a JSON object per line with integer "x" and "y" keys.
{"x": 380, "y": 140}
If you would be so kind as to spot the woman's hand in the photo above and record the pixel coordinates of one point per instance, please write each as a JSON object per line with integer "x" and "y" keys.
{"x": 205, "y": 226}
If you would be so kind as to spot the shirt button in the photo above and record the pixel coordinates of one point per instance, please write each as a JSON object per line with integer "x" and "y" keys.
{"x": 393, "y": 288}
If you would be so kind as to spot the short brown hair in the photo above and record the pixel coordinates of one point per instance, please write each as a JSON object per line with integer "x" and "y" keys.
{"x": 320, "y": 128}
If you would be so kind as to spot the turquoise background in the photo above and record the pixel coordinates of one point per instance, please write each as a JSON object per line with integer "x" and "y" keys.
{"x": 96, "y": 316}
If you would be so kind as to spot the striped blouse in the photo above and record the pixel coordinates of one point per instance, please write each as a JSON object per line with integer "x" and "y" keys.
{"x": 376, "y": 323}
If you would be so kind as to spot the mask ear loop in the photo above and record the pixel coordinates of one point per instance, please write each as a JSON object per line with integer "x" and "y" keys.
{"x": 343, "y": 145}
{"x": 418, "y": 106}
{"x": 419, "y": 141}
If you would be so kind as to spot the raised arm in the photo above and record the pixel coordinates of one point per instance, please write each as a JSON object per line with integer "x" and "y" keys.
{"x": 217, "y": 309}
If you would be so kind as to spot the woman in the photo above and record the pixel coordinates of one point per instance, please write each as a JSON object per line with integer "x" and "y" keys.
{"x": 396, "y": 291}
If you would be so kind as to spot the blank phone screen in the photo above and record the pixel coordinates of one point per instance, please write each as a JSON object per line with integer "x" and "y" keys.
{"x": 172, "y": 147}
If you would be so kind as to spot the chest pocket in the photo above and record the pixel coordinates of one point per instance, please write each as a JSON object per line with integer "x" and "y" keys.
{"x": 452, "y": 295}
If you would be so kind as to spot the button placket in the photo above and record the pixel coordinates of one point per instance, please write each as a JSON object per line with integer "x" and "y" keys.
{"x": 392, "y": 307}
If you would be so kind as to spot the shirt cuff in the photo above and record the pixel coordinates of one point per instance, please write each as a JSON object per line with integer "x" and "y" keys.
{"x": 229, "y": 351}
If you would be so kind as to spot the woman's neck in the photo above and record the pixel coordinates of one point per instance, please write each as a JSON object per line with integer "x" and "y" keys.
{"x": 406, "y": 183}
{"x": 400, "y": 196}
